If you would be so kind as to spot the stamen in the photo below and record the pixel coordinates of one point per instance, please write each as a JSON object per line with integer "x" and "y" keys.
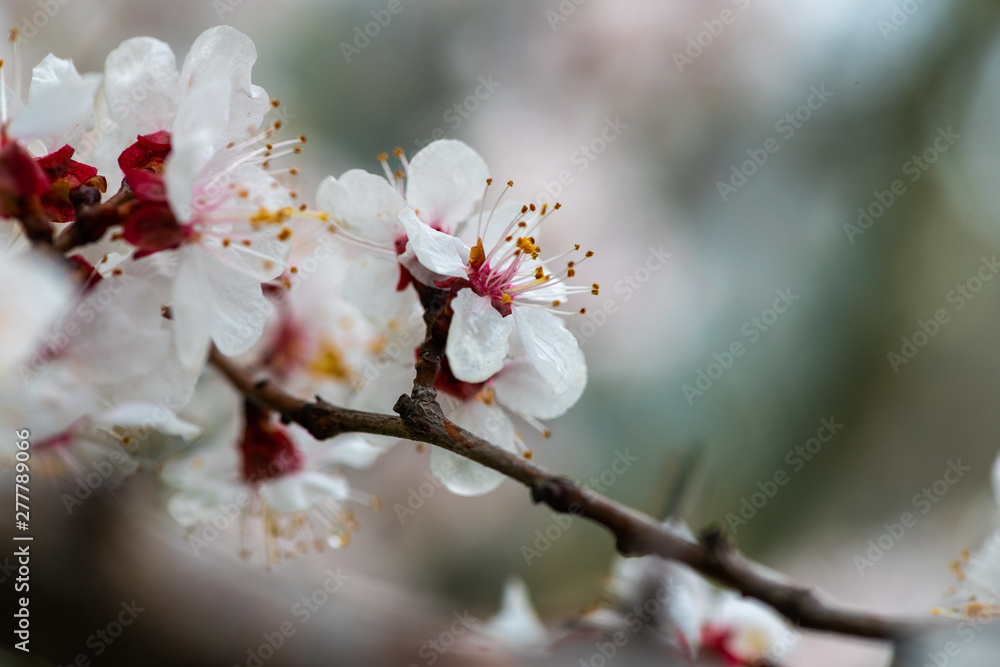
{"x": 3, "y": 96}
{"x": 510, "y": 184}
{"x": 401, "y": 156}
{"x": 482, "y": 205}
{"x": 15, "y": 45}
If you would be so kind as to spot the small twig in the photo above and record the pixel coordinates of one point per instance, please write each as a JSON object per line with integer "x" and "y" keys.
{"x": 93, "y": 218}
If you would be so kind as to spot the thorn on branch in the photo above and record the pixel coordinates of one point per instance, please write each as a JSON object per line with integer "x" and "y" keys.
{"x": 715, "y": 540}
{"x": 554, "y": 492}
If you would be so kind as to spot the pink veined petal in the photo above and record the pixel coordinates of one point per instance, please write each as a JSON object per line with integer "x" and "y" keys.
{"x": 478, "y": 338}
{"x": 460, "y": 475}
{"x": 444, "y": 182}
{"x": 196, "y": 135}
{"x": 549, "y": 345}
{"x": 442, "y": 253}
{"x": 520, "y": 387}
{"x": 228, "y": 48}
{"x": 365, "y": 203}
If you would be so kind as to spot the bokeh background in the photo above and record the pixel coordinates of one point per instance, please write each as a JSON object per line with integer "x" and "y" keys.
{"x": 684, "y": 100}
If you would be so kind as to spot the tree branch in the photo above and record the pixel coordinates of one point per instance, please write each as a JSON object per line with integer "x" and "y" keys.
{"x": 636, "y": 534}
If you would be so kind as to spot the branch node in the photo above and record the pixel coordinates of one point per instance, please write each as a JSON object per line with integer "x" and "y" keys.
{"x": 553, "y": 491}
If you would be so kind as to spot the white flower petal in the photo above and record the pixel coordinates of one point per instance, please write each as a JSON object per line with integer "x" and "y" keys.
{"x": 60, "y": 102}
{"x": 370, "y": 285}
{"x": 517, "y": 624}
{"x": 203, "y": 503}
{"x": 478, "y": 338}
{"x": 498, "y": 220}
{"x": 26, "y": 313}
{"x": 195, "y": 136}
{"x": 147, "y": 415}
{"x": 549, "y": 344}
{"x": 301, "y": 490}
{"x": 460, "y": 475}
{"x": 239, "y": 308}
{"x": 520, "y": 387}
{"x": 228, "y": 48}
{"x": 442, "y": 253}
{"x": 444, "y": 182}
{"x": 754, "y": 627}
{"x": 121, "y": 330}
{"x": 140, "y": 86}
{"x": 191, "y": 310}
{"x": 365, "y": 203}
{"x": 349, "y": 449}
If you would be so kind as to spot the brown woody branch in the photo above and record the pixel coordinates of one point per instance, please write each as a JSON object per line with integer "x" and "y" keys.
{"x": 420, "y": 419}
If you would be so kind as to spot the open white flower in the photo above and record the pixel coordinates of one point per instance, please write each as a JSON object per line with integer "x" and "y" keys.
{"x": 287, "y": 489}
{"x": 501, "y": 286}
{"x": 203, "y": 183}
{"x": 443, "y": 183}
{"x": 691, "y": 613}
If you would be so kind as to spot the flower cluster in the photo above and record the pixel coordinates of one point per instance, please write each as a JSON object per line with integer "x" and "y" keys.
{"x": 151, "y": 231}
